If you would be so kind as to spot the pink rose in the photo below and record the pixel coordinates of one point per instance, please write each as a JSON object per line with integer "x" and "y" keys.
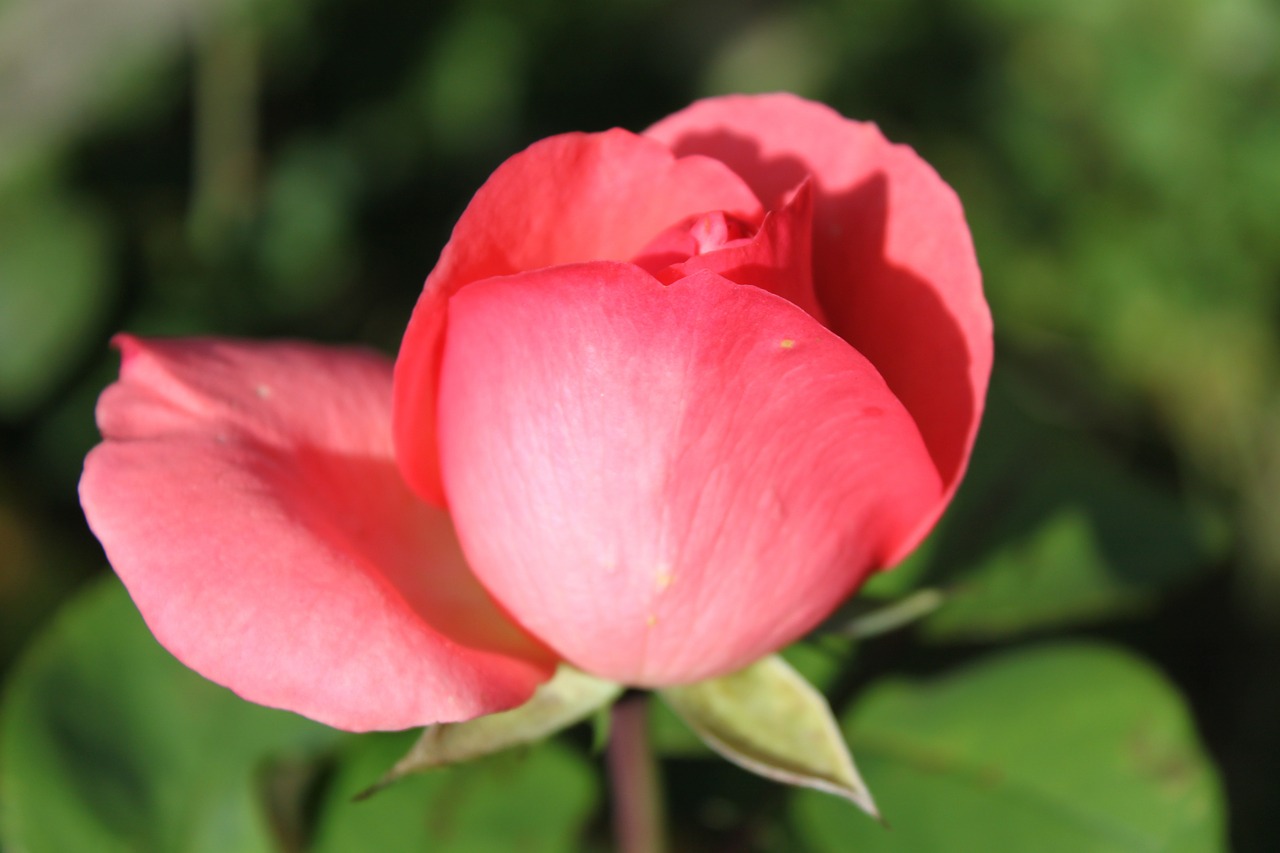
{"x": 666, "y": 400}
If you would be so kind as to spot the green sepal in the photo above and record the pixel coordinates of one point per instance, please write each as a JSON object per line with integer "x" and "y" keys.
{"x": 568, "y": 698}
{"x": 863, "y": 618}
{"x": 767, "y": 719}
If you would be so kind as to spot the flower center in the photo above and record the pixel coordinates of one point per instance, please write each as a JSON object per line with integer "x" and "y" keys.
{"x": 716, "y": 230}
{"x": 697, "y": 235}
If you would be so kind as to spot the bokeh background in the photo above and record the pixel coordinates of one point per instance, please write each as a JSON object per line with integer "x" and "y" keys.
{"x": 276, "y": 168}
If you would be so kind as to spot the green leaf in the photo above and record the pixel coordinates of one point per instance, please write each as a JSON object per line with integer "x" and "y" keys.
{"x": 53, "y": 290}
{"x": 1072, "y": 748}
{"x": 109, "y": 744}
{"x": 769, "y": 720}
{"x": 1049, "y": 531}
{"x": 305, "y": 245}
{"x": 535, "y": 800}
{"x": 570, "y": 697}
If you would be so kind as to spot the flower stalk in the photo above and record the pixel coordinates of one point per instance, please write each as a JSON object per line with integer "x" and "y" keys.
{"x": 639, "y": 815}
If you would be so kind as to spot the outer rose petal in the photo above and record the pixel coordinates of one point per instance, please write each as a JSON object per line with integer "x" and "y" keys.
{"x": 665, "y": 483}
{"x": 582, "y": 197}
{"x": 569, "y": 198}
{"x": 247, "y": 496}
{"x": 893, "y": 261}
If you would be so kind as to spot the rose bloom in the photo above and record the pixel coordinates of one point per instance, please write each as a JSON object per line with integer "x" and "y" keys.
{"x": 665, "y": 401}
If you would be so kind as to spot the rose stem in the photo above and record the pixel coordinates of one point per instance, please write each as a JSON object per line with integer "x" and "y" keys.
{"x": 639, "y": 819}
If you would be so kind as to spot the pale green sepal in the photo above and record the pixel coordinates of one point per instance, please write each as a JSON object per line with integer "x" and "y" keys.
{"x": 887, "y": 617}
{"x": 769, "y": 720}
{"x": 569, "y": 697}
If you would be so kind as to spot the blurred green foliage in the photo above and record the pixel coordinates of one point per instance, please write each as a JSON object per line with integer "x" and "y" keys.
{"x": 538, "y": 798}
{"x": 271, "y": 167}
{"x": 1055, "y": 770}
{"x": 112, "y": 745}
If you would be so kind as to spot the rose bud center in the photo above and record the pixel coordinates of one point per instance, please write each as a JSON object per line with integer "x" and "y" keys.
{"x": 697, "y": 235}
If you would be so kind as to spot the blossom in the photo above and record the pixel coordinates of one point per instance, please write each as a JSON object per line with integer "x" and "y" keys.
{"x": 665, "y": 401}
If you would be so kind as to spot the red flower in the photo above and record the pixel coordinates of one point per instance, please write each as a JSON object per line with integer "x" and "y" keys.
{"x": 680, "y": 394}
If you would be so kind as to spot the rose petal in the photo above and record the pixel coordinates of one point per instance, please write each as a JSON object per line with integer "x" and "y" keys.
{"x": 893, "y": 261}
{"x": 665, "y": 483}
{"x": 777, "y": 259}
{"x": 706, "y": 232}
{"x": 575, "y": 197}
{"x": 247, "y": 496}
